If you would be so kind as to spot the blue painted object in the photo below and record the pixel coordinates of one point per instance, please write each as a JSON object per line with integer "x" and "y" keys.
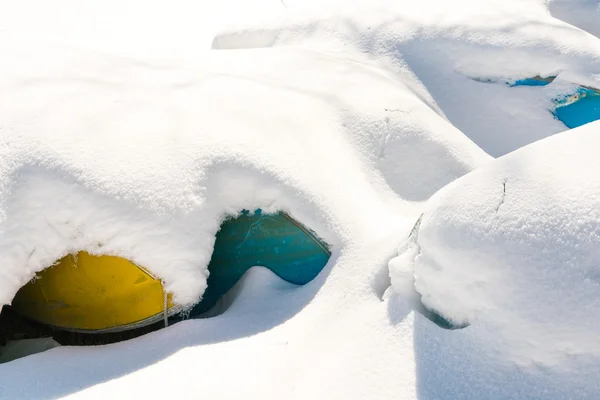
{"x": 275, "y": 241}
{"x": 535, "y": 81}
{"x": 579, "y": 109}
{"x": 574, "y": 110}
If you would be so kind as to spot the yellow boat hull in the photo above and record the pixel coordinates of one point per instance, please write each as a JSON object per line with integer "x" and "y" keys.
{"x": 88, "y": 293}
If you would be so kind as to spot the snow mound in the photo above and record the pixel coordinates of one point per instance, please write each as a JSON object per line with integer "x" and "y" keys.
{"x": 513, "y": 249}
{"x": 145, "y": 161}
{"x": 452, "y": 48}
{"x": 134, "y": 128}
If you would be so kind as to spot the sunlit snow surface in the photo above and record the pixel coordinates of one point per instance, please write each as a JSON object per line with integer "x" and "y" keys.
{"x": 135, "y": 128}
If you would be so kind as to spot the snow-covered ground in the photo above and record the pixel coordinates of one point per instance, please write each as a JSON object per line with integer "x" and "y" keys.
{"x": 133, "y": 128}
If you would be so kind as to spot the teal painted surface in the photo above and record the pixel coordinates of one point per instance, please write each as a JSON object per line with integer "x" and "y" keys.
{"x": 579, "y": 109}
{"x": 440, "y": 320}
{"x": 537, "y": 81}
{"x": 274, "y": 241}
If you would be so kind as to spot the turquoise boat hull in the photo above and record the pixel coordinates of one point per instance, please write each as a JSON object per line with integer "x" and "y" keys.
{"x": 275, "y": 241}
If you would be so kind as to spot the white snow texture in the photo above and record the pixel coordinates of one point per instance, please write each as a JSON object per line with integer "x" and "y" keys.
{"x": 134, "y": 128}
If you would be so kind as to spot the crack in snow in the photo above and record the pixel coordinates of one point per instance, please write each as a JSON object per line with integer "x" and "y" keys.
{"x": 503, "y": 195}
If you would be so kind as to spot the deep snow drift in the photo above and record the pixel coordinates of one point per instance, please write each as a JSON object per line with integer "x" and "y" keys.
{"x": 138, "y": 142}
{"x": 512, "y": 249}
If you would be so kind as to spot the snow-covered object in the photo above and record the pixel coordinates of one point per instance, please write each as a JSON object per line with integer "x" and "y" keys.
{"x": 176, "y": 126}
{"x": 144, "y": 162}
{"x": 133, "y": 127}
{"x": 453, "y": 48}
{"x": 15, "y": 349}
{"x": 513, "y": 249}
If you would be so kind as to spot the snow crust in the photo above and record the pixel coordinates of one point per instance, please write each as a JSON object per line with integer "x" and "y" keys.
{"x": 134, "y": 128}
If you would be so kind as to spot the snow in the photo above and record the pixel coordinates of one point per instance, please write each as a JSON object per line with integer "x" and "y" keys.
{"x": 512, "y": 249}
{"x": 134, "y": 128}
{"x": 583, "y": 14}
{"x": 174, "y": 174}
{"x": 451, "y": 47}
